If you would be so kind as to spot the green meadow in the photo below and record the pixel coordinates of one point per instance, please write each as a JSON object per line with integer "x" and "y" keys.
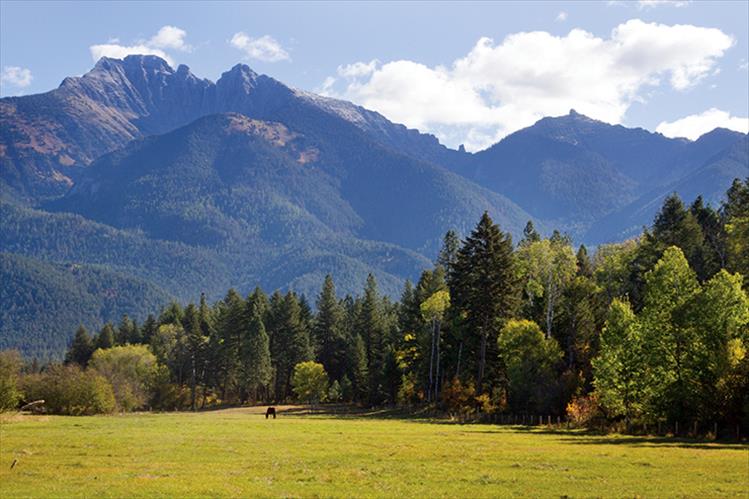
{"x": 237, "y": 452}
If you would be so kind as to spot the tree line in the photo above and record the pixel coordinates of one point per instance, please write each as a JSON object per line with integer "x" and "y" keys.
{"x": 654, "y": 329}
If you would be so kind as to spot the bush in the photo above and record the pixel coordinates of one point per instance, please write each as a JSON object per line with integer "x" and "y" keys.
{"x": 310, "y": 382}
{"x": 583, "y": 411}
{"x": 131, "y": 369}
{"x": 334, "y": 392}
{"x": 10, "y": 367}
{"x": 458, "y": 398}
{"x": 69, "y": 390}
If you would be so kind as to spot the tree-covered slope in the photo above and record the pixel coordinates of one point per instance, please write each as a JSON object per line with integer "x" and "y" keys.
{"x": 59, "y": 297}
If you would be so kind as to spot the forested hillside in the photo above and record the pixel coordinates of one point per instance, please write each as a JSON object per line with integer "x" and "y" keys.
{"x": 650, "y": 331}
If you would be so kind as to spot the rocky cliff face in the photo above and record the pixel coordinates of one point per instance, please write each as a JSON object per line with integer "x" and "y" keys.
{"x": 47, "y": 138}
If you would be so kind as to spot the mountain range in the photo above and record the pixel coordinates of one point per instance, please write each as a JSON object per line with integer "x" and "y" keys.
{"x": 137, "y": 183}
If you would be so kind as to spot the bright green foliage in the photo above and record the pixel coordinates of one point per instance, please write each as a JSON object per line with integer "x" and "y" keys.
{"x": 10, "y": 368}
{"x": 310, "y": 382}
{"x": 530, "y": 361}
{"x": 70, "y": 391}
{"x": 622, "y": 378}
{"x": 718, "y": 321}
{"x": 131, "y": 370}
{"x": 434, "y": 307}
{"x": 612, "y": 267}
{"x": 736, "y": 216}
{"x": 546, "y": 268}
{"x": 668, "y": 346}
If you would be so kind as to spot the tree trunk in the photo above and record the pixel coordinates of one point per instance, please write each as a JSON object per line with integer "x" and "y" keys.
{"x": 437, "y": 370}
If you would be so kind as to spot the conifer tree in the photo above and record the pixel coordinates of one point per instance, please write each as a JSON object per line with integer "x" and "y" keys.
{"x": 256, "y": 361}
{"x": 290, "y": 340}
{"x": 449, "y": 252}
{"x": 81, "y": 348}
{"x": 371, "y": 327}
{"x": 584, "y": 265}
{"x": 328, "y": 331}
{"x": 105, "y": 338}
{"x": 484, "y": 288}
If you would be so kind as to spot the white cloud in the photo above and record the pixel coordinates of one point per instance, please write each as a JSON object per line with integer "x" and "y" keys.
{"x": 561, "y": 17}
{"x": 695, "y": 125}
{"x": 265, "y": 48}
{"x": 116, "y": 51}
{"x": 167, "y": 38}
{"x": 651, "y": 4}
{"x": 16, "y": 76}
{"x": 499, "y": 88}
{"x": 170, "y": 37}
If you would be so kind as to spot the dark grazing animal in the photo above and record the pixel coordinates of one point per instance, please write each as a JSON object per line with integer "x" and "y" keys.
{"x": 270, "y": 412}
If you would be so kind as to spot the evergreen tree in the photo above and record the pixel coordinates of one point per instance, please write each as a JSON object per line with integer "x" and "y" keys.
{"x": 195, "y": 343}
{"x": 81, "y": 348}
{"x": 673, "y": 226}
{"x": 105, "y": 338}
{"x": 735, "y": 216}
{"x": 231, "y": 323}
{"x": 172, "y": 314}
{"x": 584, "y": 265}
{"x": 449, "y": 252}
{"x": 359, "y": 370}
{"x": 256, "y": 361}
{"x": 328, "y": 331}
{"x": 530, "y": 235}
{"x": 127, "y": 332}
{"x": 713, "y": 251}
{"x": 148, "y": 329}
{"x": 371, "y": 326}
{"x": 290, "y": 343}
{"x": 483, "y": 287}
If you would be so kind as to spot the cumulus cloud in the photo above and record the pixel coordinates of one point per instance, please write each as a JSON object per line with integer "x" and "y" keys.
{"x": 695, "y": 125}
{"x": 16, "y": 76}
{"x": 170, "y": 37}
{"x": 265, "y": 48}
{"x": 561, "y": 17}
{"x": 167, "y": 38}
{"x": 498, "y": 88}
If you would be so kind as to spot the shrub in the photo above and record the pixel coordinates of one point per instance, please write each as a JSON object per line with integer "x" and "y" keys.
{"x": 310, "y": 381}
{"x": 69, "y": 390}
{"x": 458, "y": 398}
{"x": 10, "y": 366}
{"x": 583, "y": 411}
{"x": 131, "y": 369}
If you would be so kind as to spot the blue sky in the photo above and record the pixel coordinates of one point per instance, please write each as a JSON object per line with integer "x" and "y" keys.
{"x": 468, "y": 72}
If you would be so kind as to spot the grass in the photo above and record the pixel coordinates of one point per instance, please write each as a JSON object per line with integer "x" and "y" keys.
{"x": 236, "y": 452}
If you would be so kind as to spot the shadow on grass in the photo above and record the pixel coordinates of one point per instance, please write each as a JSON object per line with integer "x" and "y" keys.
{"x": 571, "y": 436}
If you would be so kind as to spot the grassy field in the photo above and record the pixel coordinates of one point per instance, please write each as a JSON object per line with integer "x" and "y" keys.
{"x": 236, "y": 452}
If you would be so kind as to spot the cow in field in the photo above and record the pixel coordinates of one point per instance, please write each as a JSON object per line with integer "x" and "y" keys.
{"x": 270, "y": 412}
